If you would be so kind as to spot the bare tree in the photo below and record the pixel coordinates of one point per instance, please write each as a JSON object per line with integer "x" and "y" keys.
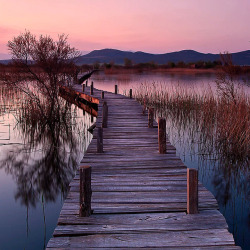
{"x": 42, "y": 61}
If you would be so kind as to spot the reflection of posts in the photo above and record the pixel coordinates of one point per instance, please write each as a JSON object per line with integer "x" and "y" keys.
{"x": 92, "y": 88}
{"x": 116, "y": 89}
{"x": 105, "y": 115}
{"x": 100, "y": 140}
{"x": 162, "y": 135}
{"x": 150, "y": 117}
{"x": 85, "y": 191}
{"x": 130, "y": 93}
{"x": 192, "y": 191}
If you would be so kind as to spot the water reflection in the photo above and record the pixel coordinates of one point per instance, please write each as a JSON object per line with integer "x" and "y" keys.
{"x": 41, "y": 153}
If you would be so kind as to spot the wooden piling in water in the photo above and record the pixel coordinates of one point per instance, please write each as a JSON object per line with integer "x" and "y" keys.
{"x": 116, "y": 89}
{"x": 151, "y": 117}
{"x": 83, "y": 88}
{"x": 105, "y": 115}
{"x": 102, "y": 94}
{"x": 87, "y": 83}
{"x": 144, "y": 105}
{"x": 85, "y": 191}
{"x": 100, "y": 140}
{"x": 162, "y": 135}
{"x": 192, "y": 191}
{"x": 130, "y": 93}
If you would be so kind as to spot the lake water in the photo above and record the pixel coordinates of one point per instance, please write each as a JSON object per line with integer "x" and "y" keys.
{"x": 36, "y": 167}
{"x": 34, "y": 177}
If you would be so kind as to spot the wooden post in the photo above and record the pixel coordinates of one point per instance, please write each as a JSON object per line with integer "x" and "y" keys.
{"x": 116, "y": 89}
{"x": 192, "y": 191}
{"x": 150, "y": 117}
{"x": 144, "y": 105}
{"x": 105, "y": 115}
{"x": 100, "y": 140}
{"x": 87, "y": 83}
{"x": 92, "y": 83}
{"x": 102, "y": 94}
{"x": 130, "y": 93}
{"x": 91, "y": 89}
{"x": 83, "y": 88}
{"x": 85, "y": 191}
{"x": 162, "y": 135}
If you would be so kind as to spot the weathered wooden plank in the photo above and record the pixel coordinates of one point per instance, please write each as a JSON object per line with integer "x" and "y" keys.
{"x": 143, "y": 218}
{"x": 193, "y": 238}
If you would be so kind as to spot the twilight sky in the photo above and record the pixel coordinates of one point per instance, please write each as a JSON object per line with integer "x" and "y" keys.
{"x": 156, "y": 26}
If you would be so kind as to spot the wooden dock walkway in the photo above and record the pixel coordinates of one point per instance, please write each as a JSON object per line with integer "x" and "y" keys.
{"x": 139, "y": 196}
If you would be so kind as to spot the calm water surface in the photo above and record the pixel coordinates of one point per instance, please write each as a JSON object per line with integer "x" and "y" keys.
{"x": 35, "y": 171}
{"x": 34, "y": 177}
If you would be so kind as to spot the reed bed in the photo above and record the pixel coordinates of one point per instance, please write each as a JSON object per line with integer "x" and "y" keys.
{"x": 219, "y": 123}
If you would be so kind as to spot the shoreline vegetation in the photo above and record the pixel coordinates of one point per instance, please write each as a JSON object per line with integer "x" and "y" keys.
{"x": 217, "y": 119}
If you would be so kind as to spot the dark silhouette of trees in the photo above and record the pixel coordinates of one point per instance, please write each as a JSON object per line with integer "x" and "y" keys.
{"x": 41, "y": 60}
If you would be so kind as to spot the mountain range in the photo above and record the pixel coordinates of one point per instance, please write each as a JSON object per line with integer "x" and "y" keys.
{"x": 187, "y": 56}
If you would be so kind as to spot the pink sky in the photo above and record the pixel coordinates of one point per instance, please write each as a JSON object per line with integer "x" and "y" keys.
{"x": 156, "y": 26}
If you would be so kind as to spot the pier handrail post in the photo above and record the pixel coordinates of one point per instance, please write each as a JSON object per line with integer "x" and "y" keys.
{"x": 100, "y": 140}
{"x": 144, "y": 105}
{"x": 102, "y": 94}
{"x": 85, "y": 191}
{"x": 92, "y": 88}
{"x": 192, "y": 191}
{"x": 162, "y": 135}
{"x": 151, "y": 117}
{"x": 83, "y": 88}
{"x": 105, "y": 115}
{"x": 130, "y": 93}
{"x": 116, "y": 89}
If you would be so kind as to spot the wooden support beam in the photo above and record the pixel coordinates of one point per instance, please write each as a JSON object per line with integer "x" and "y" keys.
{"x": 102, "y": 94}
{"x": 105, "y": 115}
{"x": 192, "y": 191}
{"x": 83, "y": 88}
{"x": 116, "y": 89}
{"x": 130, "y": 93}
{"x": 100, "y": 140}
{"x": 151, "y": 117}
{"x": 85, "y": 191}
{"x": 162, "y": 135}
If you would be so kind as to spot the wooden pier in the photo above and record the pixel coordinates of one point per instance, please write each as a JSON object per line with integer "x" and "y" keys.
{"x": 139, "y": 196}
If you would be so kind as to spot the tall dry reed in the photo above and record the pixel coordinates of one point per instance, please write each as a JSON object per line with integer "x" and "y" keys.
{"x": 219, "y": 123}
